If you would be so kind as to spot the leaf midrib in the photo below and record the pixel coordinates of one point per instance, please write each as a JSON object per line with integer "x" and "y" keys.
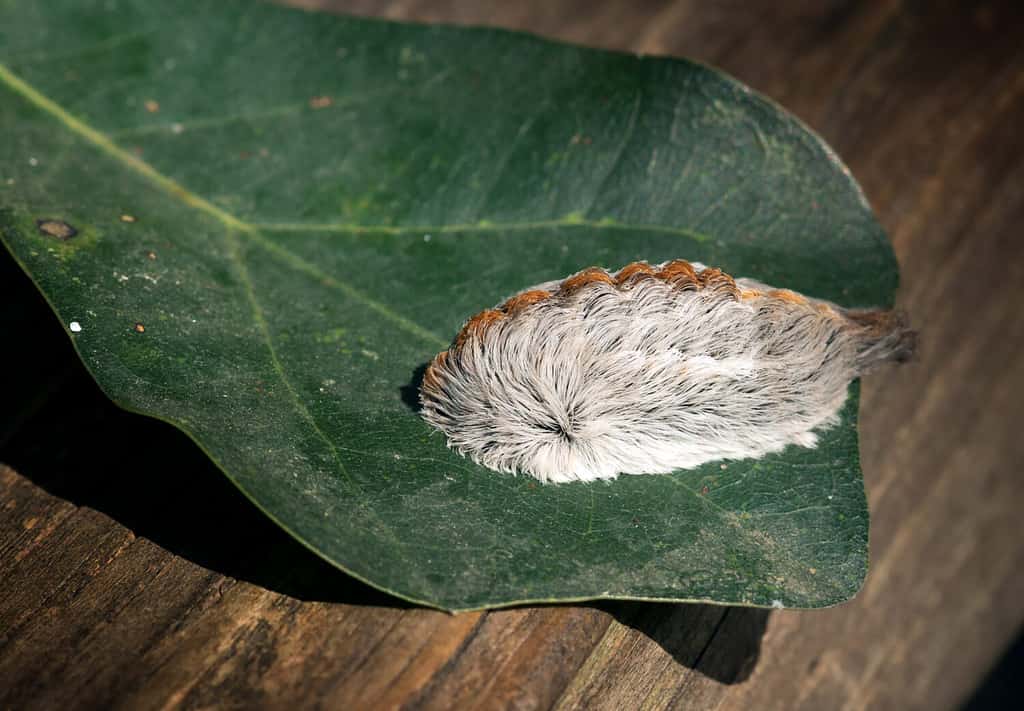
{"x": 197, "y": 202}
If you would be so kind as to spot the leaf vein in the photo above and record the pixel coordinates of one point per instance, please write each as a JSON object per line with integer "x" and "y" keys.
{"x": 257, "y": 311}
{"x": 175, "y": 190}
{"x": 576, "y": 223}
{"x": 247, "y": 116}
{"x": 620, "y": 150}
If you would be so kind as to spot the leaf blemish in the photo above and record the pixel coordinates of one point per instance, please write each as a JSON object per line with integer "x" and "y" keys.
{"x": 58, "y": 229}
{"x": 139, "y": 328}
{"x": 129, "y": 218}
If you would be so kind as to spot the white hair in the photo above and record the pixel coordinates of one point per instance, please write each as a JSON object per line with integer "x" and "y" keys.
{"x": 648, "y": 370}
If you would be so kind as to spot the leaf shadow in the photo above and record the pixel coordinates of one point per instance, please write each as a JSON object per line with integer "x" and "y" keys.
{"x": 722, "y": 643}
{"x": 151, "y": 478}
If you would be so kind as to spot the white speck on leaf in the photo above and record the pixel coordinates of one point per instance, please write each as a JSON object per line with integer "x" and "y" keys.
{"x": 426, "y": 238}
{"x": 177, "y": 128}
{"x": 33, "y": 162}
{"x": 370, "y": 354}
{"x": 777, "y": 604}
{"x": 75, "y": 327}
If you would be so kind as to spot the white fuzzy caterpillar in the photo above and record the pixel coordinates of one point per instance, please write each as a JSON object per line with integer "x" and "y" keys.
{"x": 648, "y": 370}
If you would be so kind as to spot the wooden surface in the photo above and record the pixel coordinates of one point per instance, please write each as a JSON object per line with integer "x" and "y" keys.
{"x": 132, "y": 575}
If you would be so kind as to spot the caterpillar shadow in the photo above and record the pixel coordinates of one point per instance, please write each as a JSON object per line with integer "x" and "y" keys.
{"x": 411, "y": 391}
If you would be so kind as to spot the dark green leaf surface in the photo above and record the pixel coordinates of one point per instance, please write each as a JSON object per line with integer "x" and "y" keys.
{"x": 281, "y": 216}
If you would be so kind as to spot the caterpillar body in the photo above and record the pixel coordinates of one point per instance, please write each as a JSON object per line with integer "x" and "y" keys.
{"x": 650, "y": 369}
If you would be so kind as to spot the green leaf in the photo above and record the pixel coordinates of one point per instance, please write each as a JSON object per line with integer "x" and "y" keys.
{"x": 281, "y": 216}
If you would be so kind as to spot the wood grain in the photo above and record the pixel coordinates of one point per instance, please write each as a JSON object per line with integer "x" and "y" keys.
{"x": 134, "y": 576}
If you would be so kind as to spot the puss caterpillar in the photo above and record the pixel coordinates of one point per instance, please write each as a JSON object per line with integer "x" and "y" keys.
{"x": 650, "y": 369}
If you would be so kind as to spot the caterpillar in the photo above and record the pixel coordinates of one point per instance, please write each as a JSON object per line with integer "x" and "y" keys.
{"x": 650, "y": 369}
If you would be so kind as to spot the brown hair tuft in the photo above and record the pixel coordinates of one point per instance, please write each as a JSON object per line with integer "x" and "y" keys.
{"x": 586, "y": 278}
{"x": 519, "y": 302}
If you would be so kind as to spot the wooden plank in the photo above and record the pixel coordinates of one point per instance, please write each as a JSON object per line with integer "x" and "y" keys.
{"x": 134, "y": 576}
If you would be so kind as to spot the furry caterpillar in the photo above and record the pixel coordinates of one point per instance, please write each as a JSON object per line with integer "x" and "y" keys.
{"x": 649, "y": 369}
